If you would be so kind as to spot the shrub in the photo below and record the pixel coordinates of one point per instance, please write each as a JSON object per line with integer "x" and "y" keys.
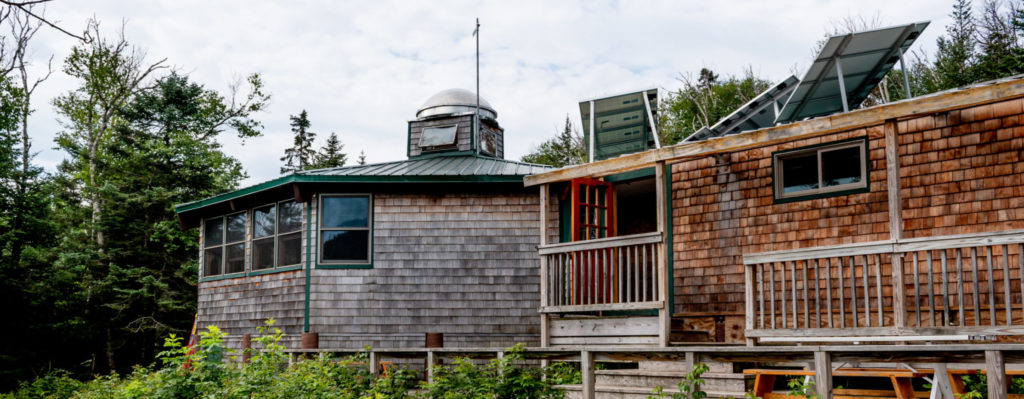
{"x": 497, "y": 379}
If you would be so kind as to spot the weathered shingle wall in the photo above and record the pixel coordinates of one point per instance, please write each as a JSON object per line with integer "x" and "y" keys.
{"x": 239, "y": 305}
{"x": 723, "y": 207}
{"x": 961, "y": 171}
{"x": 460, "y": 264}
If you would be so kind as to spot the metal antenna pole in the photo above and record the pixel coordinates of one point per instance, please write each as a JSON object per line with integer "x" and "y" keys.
{"x": 479, "y": 137}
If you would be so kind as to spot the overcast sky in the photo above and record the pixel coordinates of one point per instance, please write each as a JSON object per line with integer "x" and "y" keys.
{"x": 362, "y": 69}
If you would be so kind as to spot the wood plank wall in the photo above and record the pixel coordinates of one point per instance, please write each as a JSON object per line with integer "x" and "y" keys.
{"x": 960, "y": 172}
{"x": 464, "y": 265}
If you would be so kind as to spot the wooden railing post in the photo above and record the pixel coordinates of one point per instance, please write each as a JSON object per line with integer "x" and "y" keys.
{"x": 823, "y": 374}
{"x": 374, "y": 361}
{"x": 587, "y": 372}
{"x": 748, "y": 282}
{"x": 899, "y": 298}
{"x": 996, "y": 370}
{"x": 431, "y": 360}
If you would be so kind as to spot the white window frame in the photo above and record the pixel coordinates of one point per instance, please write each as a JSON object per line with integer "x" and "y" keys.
{"x": 321, "y": 229}
{"x": 780, "y": 157}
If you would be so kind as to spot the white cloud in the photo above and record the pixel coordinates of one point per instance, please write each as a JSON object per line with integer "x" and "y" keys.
{"x": 361, "y": 68}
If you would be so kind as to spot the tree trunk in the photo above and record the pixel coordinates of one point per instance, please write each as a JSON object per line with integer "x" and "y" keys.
{"x": 110, "y": 351}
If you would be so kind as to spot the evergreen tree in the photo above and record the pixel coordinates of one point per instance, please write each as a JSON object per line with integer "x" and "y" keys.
{"x": 362, "y": 157}
{"x": 301, "y": 155}
{"x": 330, "y": 155}
{"x": 999, "y": 52}
{"x": 955, "y": 57}
{"x": 564, "y": 149}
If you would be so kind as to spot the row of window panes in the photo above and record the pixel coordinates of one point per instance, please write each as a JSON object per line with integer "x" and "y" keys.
{"x": 276, "y": 236}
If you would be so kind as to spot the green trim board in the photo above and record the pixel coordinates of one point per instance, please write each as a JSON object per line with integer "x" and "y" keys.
{"x": 866, "y": 154}
{"x": 332, "y": 266}
{"x": 345, "y": 179}
{"x": 633, "y": 174}
{"x": 305, "y": 311}
{"x": 275, "y": 270}
{"x": 250, "y": 273}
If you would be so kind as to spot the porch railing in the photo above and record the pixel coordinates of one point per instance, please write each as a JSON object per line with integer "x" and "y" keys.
{"x": 618, "y": 273}
{"x": 931, "y": 288}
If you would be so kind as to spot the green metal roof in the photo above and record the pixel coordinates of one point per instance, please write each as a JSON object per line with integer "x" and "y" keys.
{"x": 466, "y": 168}
{"x": 428, "y": 167}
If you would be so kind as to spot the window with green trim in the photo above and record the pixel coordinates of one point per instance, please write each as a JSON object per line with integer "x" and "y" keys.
{"x": 826, "y": 170}
{"x": 345, "y": 229}
{"x": 276, "y": 235}
{"x": 224, "y": 245}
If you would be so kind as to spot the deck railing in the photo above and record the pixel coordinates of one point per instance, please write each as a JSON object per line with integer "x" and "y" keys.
{"x": 928, "y": 288}
{"x": 618, "y": 273}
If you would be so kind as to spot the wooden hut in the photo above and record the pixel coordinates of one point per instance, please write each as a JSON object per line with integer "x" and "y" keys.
{"x": 899, "y": 222}
{"x": 380, "y": 254}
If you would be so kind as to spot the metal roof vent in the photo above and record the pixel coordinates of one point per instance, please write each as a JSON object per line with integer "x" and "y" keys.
{"x": 452, "y": 102}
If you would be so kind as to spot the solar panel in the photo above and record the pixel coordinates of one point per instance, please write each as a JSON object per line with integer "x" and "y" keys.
{"x": 755, "y": 114}
{"x": 861, "y": 58}
{"x": 623, "y": 124}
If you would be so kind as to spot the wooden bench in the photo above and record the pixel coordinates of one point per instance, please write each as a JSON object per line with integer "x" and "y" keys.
{"x": 956, "y": 380}
{"x": 902, "y": 382}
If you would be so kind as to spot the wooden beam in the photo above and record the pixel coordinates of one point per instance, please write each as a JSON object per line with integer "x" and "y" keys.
{"x": 892, "y": 179}
{"x": 300, "y": 195}
{"x": 996, "y": 370}
{"x": 749, "y": 317}
{"x": 431, "y": 361}
{"x": 823, "y": 374}
{"x": 606, "y": 306}
{"x": 664, "y": 314}
{"x": 374, "y": 363}
{"x": 232, "y": 205}
{"x": 983, "y": 93}
{"x": 545, "y": 319}
{"x": 587, "y": 371}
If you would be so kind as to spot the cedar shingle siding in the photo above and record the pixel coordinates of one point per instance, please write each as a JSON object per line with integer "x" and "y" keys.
{"x": 960, "y": 173}
{"x": 460, "y": 264}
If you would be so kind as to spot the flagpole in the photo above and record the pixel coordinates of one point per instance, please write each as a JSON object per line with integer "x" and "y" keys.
{"x": 476, "y": 33}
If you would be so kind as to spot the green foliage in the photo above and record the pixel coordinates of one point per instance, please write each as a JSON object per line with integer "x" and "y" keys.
{"x": 703, "y": 100}
{"x": 301, "y": 155}
{"x": 497, "y": 379}
{"x": 567, "y": 148}
{"x": 330, "y": 155}
{"x": 689, "y": 387}
{"x": 562, "y": 373}
{"x": 801, "y": 387}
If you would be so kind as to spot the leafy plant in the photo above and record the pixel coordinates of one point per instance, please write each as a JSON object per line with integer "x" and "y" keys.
{"x": 802, "y": 387}
{"x": 689, "y": 387}
{"x": 562, "y": 373}
{"x": 497, "y": 379}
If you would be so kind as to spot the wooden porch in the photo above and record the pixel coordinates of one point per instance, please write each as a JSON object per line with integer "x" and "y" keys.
{"x": 952, "y": 288}
{"x": 612, "y": 290}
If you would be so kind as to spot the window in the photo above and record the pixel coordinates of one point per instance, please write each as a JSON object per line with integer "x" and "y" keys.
{"x": 834, "y": 169}
{"x": 276, "y": 235}
{"x": 345, "y": 236}
{"x": 224, "y": 245}
{"x": 438, "y": 136}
